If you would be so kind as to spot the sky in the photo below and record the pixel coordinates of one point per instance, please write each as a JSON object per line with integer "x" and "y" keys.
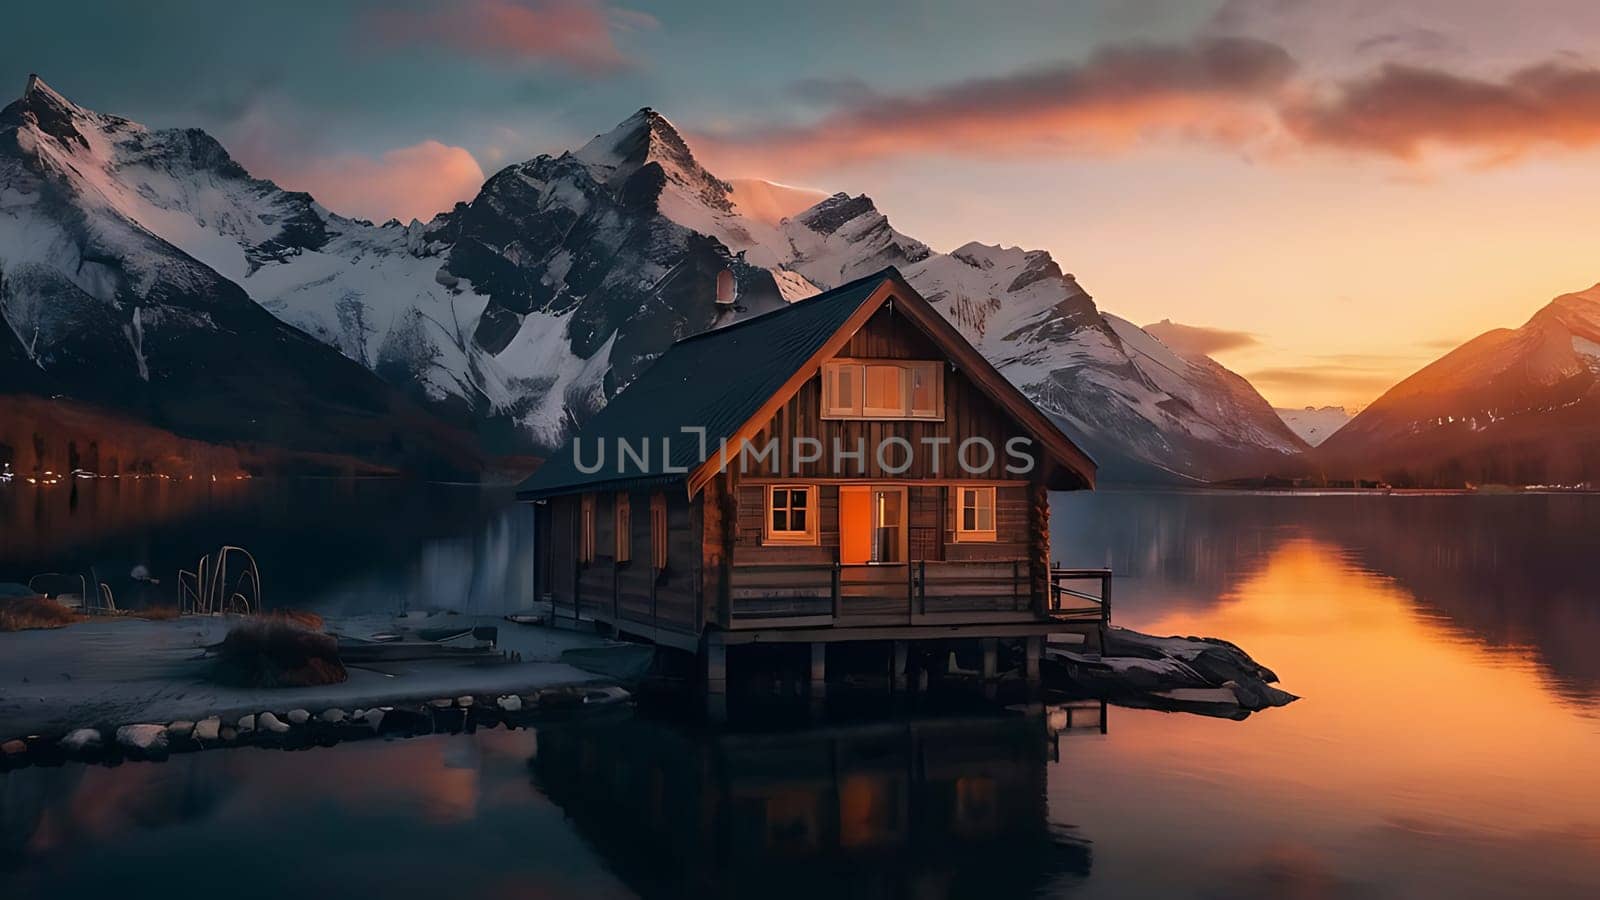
{"x": 1325, "y": 194}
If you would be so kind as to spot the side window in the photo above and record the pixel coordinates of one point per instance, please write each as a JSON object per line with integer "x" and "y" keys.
{"x": 791, "y": 514}
{"x": 974, "y": 513}
{"x": 658, "y": 531}
{"x": 624, "y": 524}
{"x": 586, "y": 528}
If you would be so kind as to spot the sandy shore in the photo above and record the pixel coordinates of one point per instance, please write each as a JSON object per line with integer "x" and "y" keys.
{"x": 112, "y": 672}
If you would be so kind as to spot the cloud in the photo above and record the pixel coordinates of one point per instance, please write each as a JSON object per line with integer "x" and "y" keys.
{"x": 1214, "y": 89}
{"x": 1200, "y": 340}
{"x": 409, "y": 182}
{"x": 577, "y": 34}
{"x": 1323, "y": 377}
{"x": 1403, "y": 110}
{"x": 1240, "y": 93}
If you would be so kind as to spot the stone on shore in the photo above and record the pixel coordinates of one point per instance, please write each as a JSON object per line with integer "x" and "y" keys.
{"x": 464, "y": 701}
{"x": 298, "y": 717}
{"x": 180, "y": 730}
{"x": 14, "y": 748}
{"x": 331, "y": 716}
{"x": 145, "y": 739}
{"x": 509, "y": 703}
{"x": 208, "y": 729}
{"x": 247, "y": 723}
{"x": 83, "y": 740}
{"x": 373, "y": 718}
{"x": 271, "y": 723}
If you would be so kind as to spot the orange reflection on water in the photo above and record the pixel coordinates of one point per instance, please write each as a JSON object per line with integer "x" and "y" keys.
{"x": 1400, "y": 711}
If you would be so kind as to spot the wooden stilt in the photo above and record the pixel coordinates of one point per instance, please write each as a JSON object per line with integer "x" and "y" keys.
{"x": 900, "y": 657}
{"x": 819, "y": 670}
{"x": 1033, "y": 652}
{"x": 715, "y": 659}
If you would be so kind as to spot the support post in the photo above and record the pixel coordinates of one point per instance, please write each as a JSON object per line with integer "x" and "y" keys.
{"x": 991, "y": 658}
{"x": 716, "y": 667}
{"x": 818, "y": 684}
{"x": 897, "y": 664}
{"x": 1033, "y": 652}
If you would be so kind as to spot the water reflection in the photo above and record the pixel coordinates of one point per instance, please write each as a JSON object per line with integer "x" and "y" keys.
{"x": 930, "y": 808}
{"x": 334, "y": 545}
{"x": 1425, "y": 760}
{"x": 1513, "y": 574}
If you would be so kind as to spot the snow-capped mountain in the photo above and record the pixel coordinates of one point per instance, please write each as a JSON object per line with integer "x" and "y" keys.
{"x": 1515, "y": 406}
{"x": 106, "y": 294}
{"x": 521, "y": 312}
{"x": 1314, "y": 424}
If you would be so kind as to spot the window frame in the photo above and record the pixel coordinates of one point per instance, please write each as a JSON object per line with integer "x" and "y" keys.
{"x": 975, "y": 534}
{"x": 834, "y": 407}
{"x": 622, "y": 515}
{"x": 791, "y": 537}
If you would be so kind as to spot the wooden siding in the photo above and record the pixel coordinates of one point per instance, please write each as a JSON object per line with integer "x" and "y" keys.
{"x": 634, "y": 592}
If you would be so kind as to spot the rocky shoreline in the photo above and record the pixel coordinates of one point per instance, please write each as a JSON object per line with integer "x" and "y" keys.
{"x": 299, "y": 728}
{"x": 1209, "y": 676}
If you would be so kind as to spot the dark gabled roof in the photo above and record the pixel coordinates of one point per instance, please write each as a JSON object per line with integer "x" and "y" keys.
{"x": 716, "y": 379}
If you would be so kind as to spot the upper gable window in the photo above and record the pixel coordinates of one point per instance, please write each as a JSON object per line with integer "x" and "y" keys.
{"x": 882, "y": 389}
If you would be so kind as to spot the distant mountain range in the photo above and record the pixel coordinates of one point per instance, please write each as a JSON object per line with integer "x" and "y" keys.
{"x": 1314, "y": 424}
{"x": 1511, "y": 406}
{"x": 147, "y": 273}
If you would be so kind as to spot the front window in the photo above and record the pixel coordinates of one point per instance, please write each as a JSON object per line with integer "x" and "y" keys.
{"x": 975, "y": 514}
{"x": 791, "y": 514}
{"x": 883, "y": 389}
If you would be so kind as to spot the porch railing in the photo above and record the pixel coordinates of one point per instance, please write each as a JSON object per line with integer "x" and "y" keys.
{"x": 845, "y": 595}
{"x": 1082, "y": 594}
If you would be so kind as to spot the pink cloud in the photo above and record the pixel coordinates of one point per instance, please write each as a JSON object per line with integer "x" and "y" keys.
{"x": 1403, "y": 110}
{"x": 409, "y": 182}
{"x": 1220, "y": 90}
{"x": 1200, "y": 340}
{"x": 579, "y": 34}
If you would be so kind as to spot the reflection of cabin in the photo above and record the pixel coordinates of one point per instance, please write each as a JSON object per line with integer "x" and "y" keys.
{"x": 863, "y": 474}
{"x": 950, "y": 807}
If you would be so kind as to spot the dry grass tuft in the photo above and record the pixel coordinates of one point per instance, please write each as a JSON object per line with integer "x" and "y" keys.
{"x": 155, "y": 613}
{"x": 308, "y": 620}
{"x": 25, "y": 613}
{"x": 276, "y": 652}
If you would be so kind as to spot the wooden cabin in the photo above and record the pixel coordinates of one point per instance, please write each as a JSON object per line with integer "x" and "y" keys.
{"x": 847, "y": 468}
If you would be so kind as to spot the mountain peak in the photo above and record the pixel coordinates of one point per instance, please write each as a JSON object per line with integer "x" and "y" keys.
{"x": 833, "y": 213}
{"x": 648, "y": 137}
{"x": 52, "y": 112}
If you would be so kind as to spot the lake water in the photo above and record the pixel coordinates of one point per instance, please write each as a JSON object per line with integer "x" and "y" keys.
{"x": 1448, "y": 742}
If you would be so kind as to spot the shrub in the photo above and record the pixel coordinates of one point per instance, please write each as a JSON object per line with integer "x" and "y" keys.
{"x": 24, "y": 613}
{"x": 275, "y": 652}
